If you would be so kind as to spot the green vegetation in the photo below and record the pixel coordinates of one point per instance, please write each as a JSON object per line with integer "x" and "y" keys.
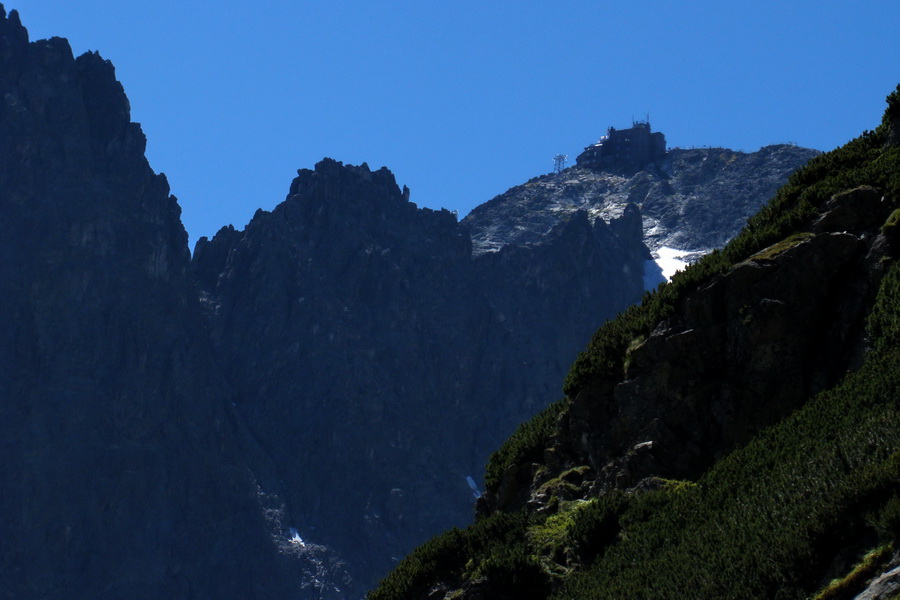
{"x": 767, "y": 521}
{"x": 525, "y": 445}
{"x": 849, "y": 586}
{"x": 887, "y": 521}
{"x": 892, "y": 114}
{"x": 892, "y": 221}
{"x": 552, "y": 539}
{"x": 493, "y": 548}
{"x": 883, "y": 325}
{"x": 786, "y": 244}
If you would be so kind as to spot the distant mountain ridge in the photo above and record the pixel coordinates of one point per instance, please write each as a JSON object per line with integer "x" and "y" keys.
{"x": 691, "y": 199}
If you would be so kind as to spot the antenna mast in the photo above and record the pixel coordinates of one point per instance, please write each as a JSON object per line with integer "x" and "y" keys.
{"x": 559, "y": 162}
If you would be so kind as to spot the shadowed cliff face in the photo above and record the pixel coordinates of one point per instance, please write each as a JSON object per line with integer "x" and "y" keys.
{"x": 379, "y": 364}
{"x": 743, "y": 352}
{"x": 118, "y": 464}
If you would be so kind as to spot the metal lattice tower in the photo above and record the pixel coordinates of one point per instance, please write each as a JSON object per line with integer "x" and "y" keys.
{"x": 559, "y": 162}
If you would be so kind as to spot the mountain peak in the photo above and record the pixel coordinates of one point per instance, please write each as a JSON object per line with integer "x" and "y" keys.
{"x": 329, "y": 169}
{"x": 13, "y": 35}
{"x": 690, "y": 200}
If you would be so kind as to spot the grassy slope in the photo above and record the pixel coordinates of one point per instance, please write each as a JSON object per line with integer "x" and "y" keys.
{"x": 767, "y": 521}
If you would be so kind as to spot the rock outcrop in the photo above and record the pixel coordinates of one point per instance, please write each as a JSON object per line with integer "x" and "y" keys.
{"x": 886, "y": 585}
{"x": 742, "y": 352}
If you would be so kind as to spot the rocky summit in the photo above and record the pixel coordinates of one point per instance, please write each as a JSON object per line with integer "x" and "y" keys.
{"x": 290, "y": 411}
{"x": 692, "y": 200}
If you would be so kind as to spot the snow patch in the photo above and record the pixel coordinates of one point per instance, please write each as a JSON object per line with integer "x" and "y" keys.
{"x": 666, "y": 262}
{"x": 295, "y": 537}
{"x": 475, "y": 491}
{"x": 671, "y": 260}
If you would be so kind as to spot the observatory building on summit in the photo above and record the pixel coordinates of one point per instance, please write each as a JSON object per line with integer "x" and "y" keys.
{"x": 625, "y": 148}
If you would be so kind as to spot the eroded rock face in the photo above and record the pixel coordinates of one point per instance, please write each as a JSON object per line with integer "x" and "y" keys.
{"x": 379, "y": 364}
{"x": 118, "y": 459}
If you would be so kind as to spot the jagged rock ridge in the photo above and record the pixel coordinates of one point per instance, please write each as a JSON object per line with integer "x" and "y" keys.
{"x": 122, "y": 469}
{"x": 379, "y": 363}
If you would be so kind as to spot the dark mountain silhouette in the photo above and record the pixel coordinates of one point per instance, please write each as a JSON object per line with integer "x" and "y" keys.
{"x": 294, "y": 409}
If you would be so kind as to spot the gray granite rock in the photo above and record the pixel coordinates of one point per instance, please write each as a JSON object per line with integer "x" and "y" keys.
{"x": 691, "y": 200}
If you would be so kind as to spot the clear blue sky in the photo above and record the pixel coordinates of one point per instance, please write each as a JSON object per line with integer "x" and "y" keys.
{"x": 462, "y": 100}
